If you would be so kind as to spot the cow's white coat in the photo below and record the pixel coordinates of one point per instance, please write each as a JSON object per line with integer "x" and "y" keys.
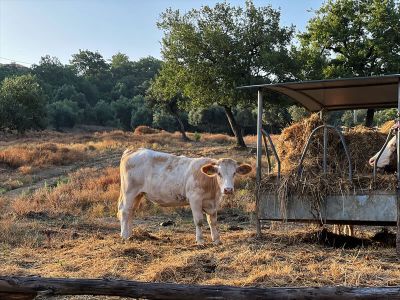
{"x": 387, "y": 154}
{"x": 170, "y": 180}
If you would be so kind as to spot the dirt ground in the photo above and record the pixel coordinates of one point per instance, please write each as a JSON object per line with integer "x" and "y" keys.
{"x": 60, "y": 221}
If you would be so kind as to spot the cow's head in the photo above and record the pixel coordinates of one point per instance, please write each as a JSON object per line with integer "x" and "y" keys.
{"x": 387, "y": 155}
{"x": 225, "y": 170}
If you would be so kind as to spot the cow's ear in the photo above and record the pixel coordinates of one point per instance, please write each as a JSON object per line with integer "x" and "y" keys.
{"x": 209, "y": 170}
{"x": 243, "y": 169}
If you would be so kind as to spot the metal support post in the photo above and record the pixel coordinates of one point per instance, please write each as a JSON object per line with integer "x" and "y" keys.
{"x": 259, "y": 157}
{"x": 398, "y": 171}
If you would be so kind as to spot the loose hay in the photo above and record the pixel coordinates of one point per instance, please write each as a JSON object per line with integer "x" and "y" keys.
{"x": 189, "y": 270}
{"x": 143, "y": 129}
{"x": 385, "y": 128}
{"x": 142, "y": 235}
{"x": 310, "y": 184}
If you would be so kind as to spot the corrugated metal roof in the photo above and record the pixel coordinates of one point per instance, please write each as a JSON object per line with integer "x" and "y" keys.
{"x": 343, "y": 93}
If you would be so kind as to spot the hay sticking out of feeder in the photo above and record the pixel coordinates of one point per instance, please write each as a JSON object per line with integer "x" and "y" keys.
{"x": 385, "y": 128}
{"x": 361, "y": 141}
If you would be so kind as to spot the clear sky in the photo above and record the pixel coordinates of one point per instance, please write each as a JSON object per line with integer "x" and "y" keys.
{"x": 30, "y": 29}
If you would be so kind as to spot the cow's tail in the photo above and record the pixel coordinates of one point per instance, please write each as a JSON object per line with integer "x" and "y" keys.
{"x": 119, "y": 205}
{"x": 121, "y": 194}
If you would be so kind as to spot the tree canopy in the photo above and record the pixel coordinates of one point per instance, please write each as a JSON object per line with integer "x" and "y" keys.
{"x": 348, "y": 38}
{"x": 207, "y": 53}
{"x": 210, "y": 51}
{"x": 21, "y": 103}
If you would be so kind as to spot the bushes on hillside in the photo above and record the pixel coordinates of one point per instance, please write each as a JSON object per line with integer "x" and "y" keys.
{"x": 22, "y": 104}
{"x": 122, "y": 109}
{"x": 64, "y": 113}
{"x": 104, "y": 114}
{"x": 141, "y": 114}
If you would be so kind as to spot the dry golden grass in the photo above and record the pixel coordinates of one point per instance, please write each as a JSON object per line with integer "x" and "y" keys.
{"x": 89, "y": 192}
{"x": 162, "y": 254}
{"x": 70, "y": 229}
{"x": 41, "y": 155}
{"x": 217, "y": 138}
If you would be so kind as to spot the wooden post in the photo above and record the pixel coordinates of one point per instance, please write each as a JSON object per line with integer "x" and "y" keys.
{"x": 259, "y": 159}
{"x": 148, "y": 290}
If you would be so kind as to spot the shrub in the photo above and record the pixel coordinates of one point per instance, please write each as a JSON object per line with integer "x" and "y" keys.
{"x": 22, "y": 104}
{"x": 163, "y": 120}
{"x": 103, "y": 112}
{"x": 141, "y": 116}
{"x": 64, "y": 113}
{"x": 211, "y": 119}
{"x": 197, "y": 136}
{"x": 122, "y": 109}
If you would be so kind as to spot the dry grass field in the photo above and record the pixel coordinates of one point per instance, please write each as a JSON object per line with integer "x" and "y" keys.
{"x": 58, "y": 198}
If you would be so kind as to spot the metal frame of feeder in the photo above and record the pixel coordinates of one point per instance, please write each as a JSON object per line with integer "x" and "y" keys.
{"x": 305, "y": 91}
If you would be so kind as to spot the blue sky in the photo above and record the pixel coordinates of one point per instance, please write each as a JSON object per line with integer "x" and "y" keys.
{"x": 30, "y": 29}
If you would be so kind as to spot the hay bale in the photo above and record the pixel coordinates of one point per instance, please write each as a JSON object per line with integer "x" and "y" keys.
{"x": 385, "y": 128}
{"x": 293, "y": 139}
{"x": 143, "y": 129}
{"x": 361, "y": 141}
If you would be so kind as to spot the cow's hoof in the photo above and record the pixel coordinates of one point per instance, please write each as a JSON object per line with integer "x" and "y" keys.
{"x": 200, "y": 243}
{"x": 125, "y": 237}
{"x": 218, "y": 242}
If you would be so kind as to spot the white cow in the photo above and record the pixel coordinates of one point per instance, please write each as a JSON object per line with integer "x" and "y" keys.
{"x": 388, "y": 155}
{"x": 170, "y": 180}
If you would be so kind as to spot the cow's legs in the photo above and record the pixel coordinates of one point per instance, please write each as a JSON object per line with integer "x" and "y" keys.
{"x": 349, "y": 230}
{"x": 212, "y": 222}
{"x": 197, "y": 212}
{"x": 128, "y": 203}
{"x": 337, "y": 229}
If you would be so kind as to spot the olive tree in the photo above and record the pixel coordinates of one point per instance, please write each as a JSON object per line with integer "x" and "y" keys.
{"x": 212, "y": 50}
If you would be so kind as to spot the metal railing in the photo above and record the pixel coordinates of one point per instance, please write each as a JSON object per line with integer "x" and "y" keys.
{"x": 325, "y": 128}
{"x": 266, "y": 136}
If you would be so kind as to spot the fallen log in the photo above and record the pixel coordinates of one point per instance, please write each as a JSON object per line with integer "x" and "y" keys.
{"x": 32, "y": 286}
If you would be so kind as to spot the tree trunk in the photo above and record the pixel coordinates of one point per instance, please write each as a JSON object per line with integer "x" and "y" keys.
{"x": 369, "y": 119}
{"x": 181, "y": 127}
{"x": 173, "y": 111}
{"x": 235, "y": 127}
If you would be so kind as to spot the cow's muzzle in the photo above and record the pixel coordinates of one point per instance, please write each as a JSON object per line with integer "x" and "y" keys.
{"x": 228, "y": 191}
{"x": 371, "y": 162}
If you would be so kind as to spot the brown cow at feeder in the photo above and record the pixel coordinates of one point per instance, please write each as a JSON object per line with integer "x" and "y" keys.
{"x": 170, "y": 180}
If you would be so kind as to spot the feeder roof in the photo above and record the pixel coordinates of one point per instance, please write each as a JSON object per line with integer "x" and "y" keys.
{"x": 338, "y": 94}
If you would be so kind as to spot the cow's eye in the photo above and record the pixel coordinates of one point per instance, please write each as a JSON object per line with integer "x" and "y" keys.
{"x": 219, "y": 174}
